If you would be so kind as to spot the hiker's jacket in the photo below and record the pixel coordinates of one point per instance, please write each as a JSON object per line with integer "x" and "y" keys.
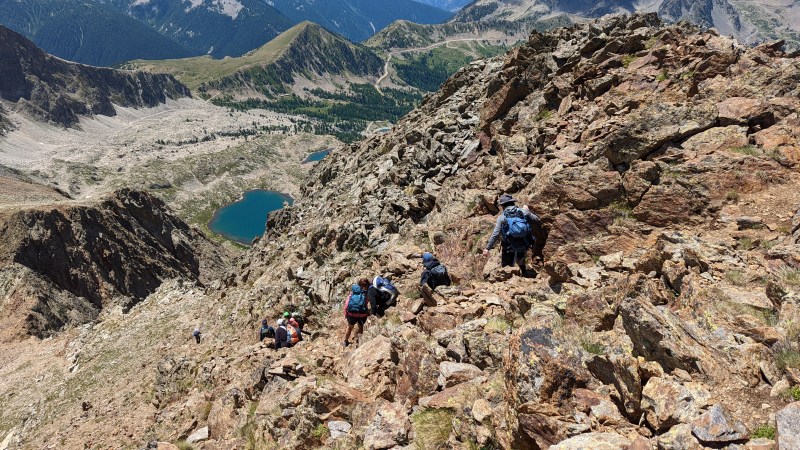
{"x": 282, "y": 337}
{"x": 431, "y": 280}
{"x": 500, "y": 225}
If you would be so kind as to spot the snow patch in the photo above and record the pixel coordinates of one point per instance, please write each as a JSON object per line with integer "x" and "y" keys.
{"x": 230, "y": 8}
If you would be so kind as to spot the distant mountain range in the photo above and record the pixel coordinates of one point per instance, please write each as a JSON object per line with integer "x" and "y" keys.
{"x": 449, "y": 5}
{"x": 58, "y": 91}
{"x": 87, "y": 32}
{"x": 214, "y": 27}
{"x": 750, "y": 21}
{"x": 108, "y": 32}
{"x": 357, "y": 20}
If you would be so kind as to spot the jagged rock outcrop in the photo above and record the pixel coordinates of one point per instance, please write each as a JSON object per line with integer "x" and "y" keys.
{"x": 661, "y": 312}
{"x": 62, "y": 265}
{"x": 59, "y": 91}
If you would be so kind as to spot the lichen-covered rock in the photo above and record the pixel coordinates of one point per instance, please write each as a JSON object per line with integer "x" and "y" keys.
{"x": 788, "y": 427}
{"x": 717, "y": 426}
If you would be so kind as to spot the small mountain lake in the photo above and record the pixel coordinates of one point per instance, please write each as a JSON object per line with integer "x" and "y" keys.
{"x": 317, "y": 156}
{"x": 245, "y": 219}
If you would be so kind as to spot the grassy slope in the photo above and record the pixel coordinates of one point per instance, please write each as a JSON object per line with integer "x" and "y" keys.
{"x": 195, "y": 71}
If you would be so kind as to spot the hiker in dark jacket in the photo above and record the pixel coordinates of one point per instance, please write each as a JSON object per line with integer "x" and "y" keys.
{"x": 514, "y": 228}
{"x": 381, "y": 295}
{"x": 282, "y": 339}
{"x": 357, "y": 311}
{"x": 266, "y": 331}
{"x": 434, "y": 273}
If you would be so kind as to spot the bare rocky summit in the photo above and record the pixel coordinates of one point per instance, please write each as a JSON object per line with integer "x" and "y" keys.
{"x": 662, "y": 160}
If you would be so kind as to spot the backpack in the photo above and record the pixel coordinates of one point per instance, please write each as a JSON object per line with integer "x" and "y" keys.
{"x": 292, "y": 335}
{"x": 267, "y": 332}
{"x": 358, "y": 301}
{"x": 439, "y": 272}
{"x": 517, "y": 226}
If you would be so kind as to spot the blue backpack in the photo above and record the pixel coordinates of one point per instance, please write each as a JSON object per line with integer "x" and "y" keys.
{"x": 439, "y": 272}
{"x": 517, "y": 226}
{"x": 358, "y": 301}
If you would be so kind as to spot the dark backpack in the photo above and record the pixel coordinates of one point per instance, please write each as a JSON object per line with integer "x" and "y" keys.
{"x": 267, "y": 332}
{"x": 439, "y": 272}
{"x": 358, "y": 301}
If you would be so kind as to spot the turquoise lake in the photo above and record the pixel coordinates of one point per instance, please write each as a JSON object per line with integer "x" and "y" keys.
{"x": 317, "y": 156}
{"x": 246, "y": 219}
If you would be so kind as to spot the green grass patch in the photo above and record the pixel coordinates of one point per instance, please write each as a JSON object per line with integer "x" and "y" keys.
{"x": 663, "y": 75}
{"x": 763, "y": 431}
{"x": 543, "y": 115}
{"x": 320, "y": 432}
{"x": 747, "y": 150}
{"x": 432, "y": 428}
{"x": 791, "y": 277}
{"x": 745, "y": 243}
{"x": 736, "y": 277}
{"x": 628, "y": 59}
{"x": 787, "y": 357}
{"x": 793, "y": 393}
{"x": 593, "y": 347}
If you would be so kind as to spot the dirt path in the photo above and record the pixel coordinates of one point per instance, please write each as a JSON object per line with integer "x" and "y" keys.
{"x": 385, "y": 74}
{"x": 417, "y": 49}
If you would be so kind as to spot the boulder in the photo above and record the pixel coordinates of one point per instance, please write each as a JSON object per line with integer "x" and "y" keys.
{"x": 198, "y": 435}
{"x": 389, "y": 428}
{"x": 761, "y": 444}
{"x": 371, "y": 368}
{"x": 667, "y": 402}
{"x": 338, "y": 428}
{"x": 788, "y": 425}
{"x": 658, "y": 335}
{"x": 594, "y": 441}
{"x": 481, "y": 410}
{"x": 678, "y": 437}
{"x": 717, "y": 426}
{"x": 452, "y": 373}
{"x": 622, "y": 372}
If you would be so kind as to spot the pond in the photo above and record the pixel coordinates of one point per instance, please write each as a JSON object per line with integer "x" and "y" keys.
{"x": 317, "y": 156}
{"x": 245, "y": 219}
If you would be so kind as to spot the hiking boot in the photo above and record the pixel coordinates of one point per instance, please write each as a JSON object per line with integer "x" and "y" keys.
{"x": 345, "y": 344}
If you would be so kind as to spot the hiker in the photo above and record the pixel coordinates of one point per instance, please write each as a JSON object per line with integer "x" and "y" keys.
{"x": 197, "y": 335}
{"x": 283, "y": 335}
{"x": 266, "y": 331}
{"x": 356, "y": 309}
{"x": 381, "y": 295}
{"x": 515, "y": 229}
{"x": 296, "y": 320}
{"x": 434, "y": 273}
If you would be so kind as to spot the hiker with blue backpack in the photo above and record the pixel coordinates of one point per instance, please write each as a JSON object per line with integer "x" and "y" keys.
{"x": 381, "y": 295}
{"x": 434, "y": 273}
{"x": 514, "y": 228}
{"x": 356, "y": 309}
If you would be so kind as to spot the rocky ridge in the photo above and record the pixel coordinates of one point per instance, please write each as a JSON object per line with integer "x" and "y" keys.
{"x": 749, "y": 22}
{"x": 59, "y": 91}
{"x": 662, "y": 160}
{"x": 62, "y": 265}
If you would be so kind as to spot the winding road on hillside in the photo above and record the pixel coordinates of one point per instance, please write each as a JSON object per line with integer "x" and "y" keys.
{"x": 413, "y": 50}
